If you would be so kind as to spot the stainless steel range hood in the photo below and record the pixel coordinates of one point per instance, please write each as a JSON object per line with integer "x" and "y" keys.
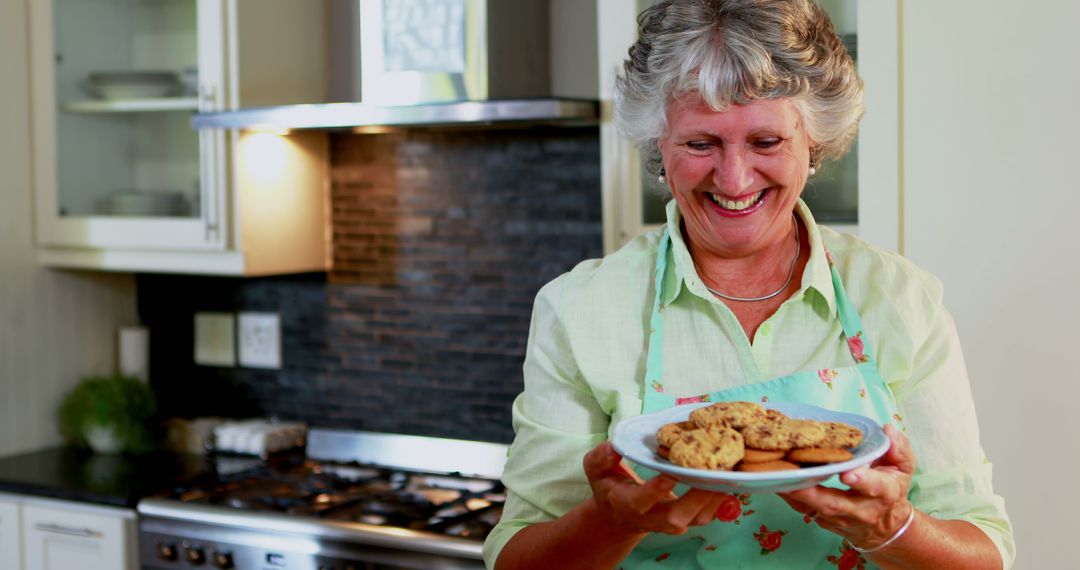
{"x": 409, "y": 63}
{"x": 565, "y": 112}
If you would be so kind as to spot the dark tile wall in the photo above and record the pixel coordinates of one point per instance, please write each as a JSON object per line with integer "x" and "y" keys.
{"x": 441, "y": 239}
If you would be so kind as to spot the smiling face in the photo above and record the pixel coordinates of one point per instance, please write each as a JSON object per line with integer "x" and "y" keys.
{"x": 736, "y": 175}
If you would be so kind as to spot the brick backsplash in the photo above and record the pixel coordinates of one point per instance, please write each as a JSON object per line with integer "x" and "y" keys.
{"x": 441, "y": 239}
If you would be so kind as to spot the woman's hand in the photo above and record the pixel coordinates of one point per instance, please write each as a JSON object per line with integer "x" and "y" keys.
{"x": 640, "y": 506}
{"x": 875, "y": 507}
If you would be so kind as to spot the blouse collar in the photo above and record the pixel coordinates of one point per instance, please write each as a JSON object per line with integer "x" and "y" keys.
{"x": 816, "y": 279}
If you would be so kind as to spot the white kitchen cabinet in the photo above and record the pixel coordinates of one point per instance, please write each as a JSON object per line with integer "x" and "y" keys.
{"x": 62, "y": 537}
{"x": 48, "y": 534}
{"x": 122, "y": 181}
{"x": 10, "y": 543}
{"x": 631, "y": 202}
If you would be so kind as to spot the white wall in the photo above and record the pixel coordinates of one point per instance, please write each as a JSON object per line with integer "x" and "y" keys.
{"x": 55, "y": 327}
{"x": 991, "y": 157}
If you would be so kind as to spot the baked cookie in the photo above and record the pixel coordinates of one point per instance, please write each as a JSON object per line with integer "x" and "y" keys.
{"x": 718, "y": 448}
{"x": 777, "y": 465}
{"x": 731, "y": 414}
{"x": 783, "y": 435}
{"x": 774, "y": 415}
{"x": 818, "y": 455}
{"x": 670, "y": 433}
{"x": 841, "y": 435}
{"x": 664, "y": 452}
{"x": 806, "y": 433}
{"x": 751, "y": 455}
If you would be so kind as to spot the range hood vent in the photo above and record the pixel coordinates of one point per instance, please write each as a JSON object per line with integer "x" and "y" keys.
{"x": 410, "y": 63}
{"x": 564, "y": 112}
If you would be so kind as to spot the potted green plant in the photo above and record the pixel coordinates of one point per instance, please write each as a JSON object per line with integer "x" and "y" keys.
{"x": 110, "y": 415}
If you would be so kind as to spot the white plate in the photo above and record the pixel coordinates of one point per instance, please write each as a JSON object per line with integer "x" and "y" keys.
{"x": 137, "y": 90}
{"x": 142, "y": 204}
{"x": 133, "y": 84}
{"x": 635, "y": 439}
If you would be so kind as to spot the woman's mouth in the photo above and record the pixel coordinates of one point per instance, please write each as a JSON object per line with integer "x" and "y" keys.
{"x": 739, "y": 207}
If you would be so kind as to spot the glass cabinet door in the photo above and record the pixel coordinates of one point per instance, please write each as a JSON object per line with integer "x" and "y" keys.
{"x": 118, "y": 164}
{"x": 833, "y": 192}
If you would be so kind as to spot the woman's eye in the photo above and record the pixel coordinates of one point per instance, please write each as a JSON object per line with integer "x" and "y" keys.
{"x": 699, "y": 145}
{"x": 766, "y": 144}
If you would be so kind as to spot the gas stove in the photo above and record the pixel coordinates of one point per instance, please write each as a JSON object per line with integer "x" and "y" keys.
{"x": 356, "y": 501}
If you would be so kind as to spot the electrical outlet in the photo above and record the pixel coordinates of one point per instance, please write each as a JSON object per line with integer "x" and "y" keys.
{"x": 260, "y": 340}
{"x": 215, "y": 339}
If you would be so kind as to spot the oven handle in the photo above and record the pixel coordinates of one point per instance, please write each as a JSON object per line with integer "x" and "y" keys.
{"x": 57, "y": 529}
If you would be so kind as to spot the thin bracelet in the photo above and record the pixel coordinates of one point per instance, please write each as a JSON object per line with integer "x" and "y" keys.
{"x": 899, "y": 533}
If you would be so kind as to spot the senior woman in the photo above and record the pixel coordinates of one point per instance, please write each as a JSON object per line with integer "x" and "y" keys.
{"x": 743, "y": 297}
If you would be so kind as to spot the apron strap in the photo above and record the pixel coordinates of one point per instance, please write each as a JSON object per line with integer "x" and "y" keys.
{"x": 857, "y": 342}
{"x": 653, "y": 396}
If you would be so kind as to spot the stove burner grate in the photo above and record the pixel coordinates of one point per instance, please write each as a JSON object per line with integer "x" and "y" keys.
{"x": 451, "y": 505}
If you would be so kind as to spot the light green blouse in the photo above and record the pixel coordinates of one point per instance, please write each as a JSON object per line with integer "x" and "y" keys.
{"x": 585, "y": 362}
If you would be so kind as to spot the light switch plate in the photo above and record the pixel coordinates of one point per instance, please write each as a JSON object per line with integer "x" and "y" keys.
{"x": 215, "y": 339}
{"x": 260, "y": 340}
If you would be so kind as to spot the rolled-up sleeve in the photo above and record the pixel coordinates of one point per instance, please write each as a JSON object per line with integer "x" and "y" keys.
{"x": 556, "y": 420}
{"x": 954, "y": 476}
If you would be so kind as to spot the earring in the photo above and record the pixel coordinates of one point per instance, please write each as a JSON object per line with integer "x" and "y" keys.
{"x": 661, "y": 176}
{"x": 813, "y": 171}
{"x": 813, "y": 161}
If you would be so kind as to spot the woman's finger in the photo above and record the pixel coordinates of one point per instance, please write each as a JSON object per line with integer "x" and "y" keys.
{"x": 883, "y": 484}
{"x": 797, "y": 505}
{"x": 685, "y": 510}
{"x": 625, "y": 469}
{"x": 677, "y": 516}
{"x": 707, "y": 514}
{"x": 824, "y": 501}
{"x": 900, "y": 453}
{"x": 600, "y": 460}
{"x": 640, "y": 499}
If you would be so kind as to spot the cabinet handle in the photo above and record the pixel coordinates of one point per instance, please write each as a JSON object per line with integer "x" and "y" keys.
{"x": 206, "y": 97}
{"x": 208, "y": 153}
{"x": 57, "y": 529}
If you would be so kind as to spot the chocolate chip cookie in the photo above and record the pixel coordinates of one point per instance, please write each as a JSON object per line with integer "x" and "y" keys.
{"x": 841, "y": 435}
{"x": 783, "y": 434}
{"x": 671, "y": 433}
{"x": 731, "y": 414}
{"x": 708, "y": 448}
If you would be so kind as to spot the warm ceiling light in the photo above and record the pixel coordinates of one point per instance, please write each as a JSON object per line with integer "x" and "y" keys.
{"x": 267, "y": 129}
{"x": 374, "y": 130}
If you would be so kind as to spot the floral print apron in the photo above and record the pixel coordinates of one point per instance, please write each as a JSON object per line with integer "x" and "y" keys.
{"x": 761, "y": 530}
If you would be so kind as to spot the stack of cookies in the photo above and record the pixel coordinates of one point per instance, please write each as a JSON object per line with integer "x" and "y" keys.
{"x": 744, "y": 436}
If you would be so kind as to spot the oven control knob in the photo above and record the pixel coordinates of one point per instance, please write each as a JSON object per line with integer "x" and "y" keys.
{"x": 223, "y": 559}
{"x": 166, "y": 551}
{"x": 196, "y": 556}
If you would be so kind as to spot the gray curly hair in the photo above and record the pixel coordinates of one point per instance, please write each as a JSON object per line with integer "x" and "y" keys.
{"x": 737, "y": 51}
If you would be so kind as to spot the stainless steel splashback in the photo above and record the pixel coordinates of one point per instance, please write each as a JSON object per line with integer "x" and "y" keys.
{"x": 431, "y": 454}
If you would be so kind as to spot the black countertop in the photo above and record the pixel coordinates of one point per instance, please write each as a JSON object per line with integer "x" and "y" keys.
{"x": 115, "y": 480}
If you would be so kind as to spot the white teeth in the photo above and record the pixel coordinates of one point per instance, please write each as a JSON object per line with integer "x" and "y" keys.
{"x": 737, "y": 205}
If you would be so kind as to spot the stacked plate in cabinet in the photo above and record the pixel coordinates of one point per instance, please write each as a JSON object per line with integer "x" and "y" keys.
{"x": 142, "y": 203}
{"x": 134, "y": 84}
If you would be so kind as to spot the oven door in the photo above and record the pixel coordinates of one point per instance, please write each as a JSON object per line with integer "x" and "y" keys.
{"x": 274, "y": 542}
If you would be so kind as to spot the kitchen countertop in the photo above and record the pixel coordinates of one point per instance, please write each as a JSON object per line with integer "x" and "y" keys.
{"x": 80, "y": 475}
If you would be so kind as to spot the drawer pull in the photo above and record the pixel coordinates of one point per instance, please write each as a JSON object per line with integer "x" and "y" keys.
{"x": 57, "y": 529}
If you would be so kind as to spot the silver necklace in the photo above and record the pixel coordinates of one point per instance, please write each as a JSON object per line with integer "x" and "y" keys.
{"x": 791, "y": 273}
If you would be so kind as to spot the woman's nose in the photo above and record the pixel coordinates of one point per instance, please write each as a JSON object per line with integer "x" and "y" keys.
{"x": 732, "y": 172}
